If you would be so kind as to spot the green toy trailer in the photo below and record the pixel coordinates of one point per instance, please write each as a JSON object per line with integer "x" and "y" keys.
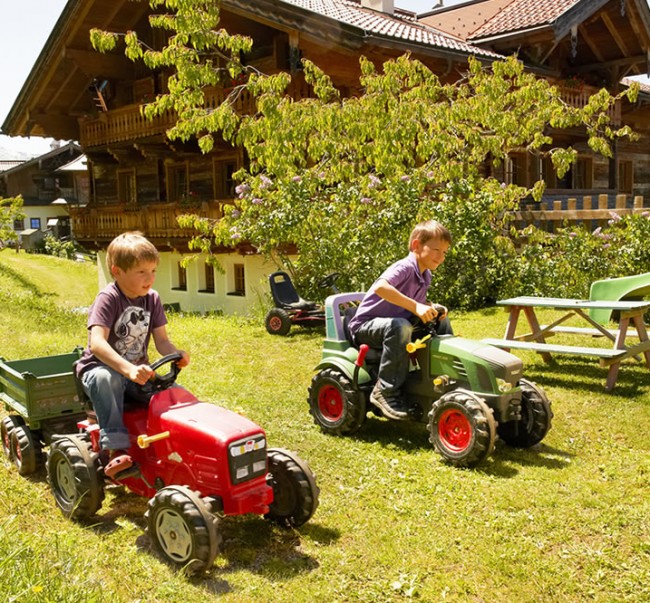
{"x": 41, "y": 396}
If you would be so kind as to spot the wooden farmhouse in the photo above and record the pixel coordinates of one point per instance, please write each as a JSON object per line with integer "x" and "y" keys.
{"x": 139, "y": 179}
{"x": 47, "y": 188}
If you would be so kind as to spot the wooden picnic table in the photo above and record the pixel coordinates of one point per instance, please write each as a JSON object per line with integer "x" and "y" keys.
{"x": 611, "y": 358}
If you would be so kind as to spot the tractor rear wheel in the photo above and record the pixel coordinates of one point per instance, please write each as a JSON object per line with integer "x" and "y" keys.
{"x": 336, "y": 406}
{"x": 462, "y": 428}
{"x": 278, "y": 322}
{"x": 73, "y": 473}
{"x": 26, "y": 450}
{"x": 183, "y": 528}
{"x": 7, "y": 425}
{"x": 295, "y": 493}
{"x": 536, "y": 416}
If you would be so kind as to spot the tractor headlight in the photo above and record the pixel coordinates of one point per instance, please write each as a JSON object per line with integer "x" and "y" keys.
{"x": 503, "y": 385}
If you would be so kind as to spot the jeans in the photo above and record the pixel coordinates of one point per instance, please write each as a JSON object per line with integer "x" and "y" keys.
{"x": 106, "y": 389}
{"x": 391, "y": 335}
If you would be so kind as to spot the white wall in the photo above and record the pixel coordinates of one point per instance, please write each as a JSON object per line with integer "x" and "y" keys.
{"x": 192, "y": 300}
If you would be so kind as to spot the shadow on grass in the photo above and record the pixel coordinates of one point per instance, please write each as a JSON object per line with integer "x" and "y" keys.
{"x": 586, "y": 374}
{"x": 412, "y": 437}
{"x": 249, "y": 542}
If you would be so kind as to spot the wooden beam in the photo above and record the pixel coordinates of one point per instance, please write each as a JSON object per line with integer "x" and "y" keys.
{"x": 96, "y": 64}
{"x": 614, "y": 33}
{"x": 629, "y": 61}
{"x": 58, "y": 126}
{"x": 592, "y": 45}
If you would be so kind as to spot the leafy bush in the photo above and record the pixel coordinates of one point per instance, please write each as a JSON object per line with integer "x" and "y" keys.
{"x": 564, "y": 264}
{"x": 59, "y": 248}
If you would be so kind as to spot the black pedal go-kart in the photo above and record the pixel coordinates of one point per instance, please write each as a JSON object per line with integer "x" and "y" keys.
{"x": 290, "y": 308}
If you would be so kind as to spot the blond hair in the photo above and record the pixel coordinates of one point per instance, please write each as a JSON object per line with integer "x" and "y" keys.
{"x": 429, "y": 230}
{"x": 129, "y": 249}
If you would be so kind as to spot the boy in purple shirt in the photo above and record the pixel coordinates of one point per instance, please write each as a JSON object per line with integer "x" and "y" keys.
{"x": 383, "y": 319}
{"x": 122, "y": 319}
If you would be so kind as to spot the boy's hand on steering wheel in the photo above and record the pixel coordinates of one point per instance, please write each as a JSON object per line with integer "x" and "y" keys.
{"x": 185, "y": 360}
{"x": 140, "y": 373}
{"x": 441, "y": 311}
{"x": 425, "y": 312}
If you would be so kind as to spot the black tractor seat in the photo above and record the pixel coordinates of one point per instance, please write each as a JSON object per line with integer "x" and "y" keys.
{"x": 285, "y": 294}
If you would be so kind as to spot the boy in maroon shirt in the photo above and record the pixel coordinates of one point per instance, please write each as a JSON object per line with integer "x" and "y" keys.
{"x": 122, "y": 319}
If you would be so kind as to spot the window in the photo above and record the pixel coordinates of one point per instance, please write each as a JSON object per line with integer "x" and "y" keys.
{"x": 625, "y": 177}
{"x": 209, "y": 278}
{"x": 181, "y": 277}
{"x": 516, "y": 169}
{"x": 19, "y": 224}
{"x": 126, "y": 191}
{"x": 239, "y": 280}
{"x": 224, "y": 184}
{"x": 583, "y": 173}
{"x": 35, "y": 223}
{"x": 178, "y": 182}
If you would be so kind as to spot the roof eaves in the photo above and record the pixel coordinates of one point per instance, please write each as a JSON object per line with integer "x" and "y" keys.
{"x": 71, "y": 146}
{"x": 49, "y": 52}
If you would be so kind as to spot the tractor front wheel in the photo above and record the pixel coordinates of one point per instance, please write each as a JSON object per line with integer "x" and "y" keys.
{"x": 295, "y": 493}
{"x": 26, "y": 450}
{"x": 73, "y": 473}
{"x": 536, "y": 416}
{"x": 336, "y": 406}
{"x": 183, "y": 528}
{"x": 462, "y": 428}
{"x": 7, "y": 425}
{"x": 278, "y": 322}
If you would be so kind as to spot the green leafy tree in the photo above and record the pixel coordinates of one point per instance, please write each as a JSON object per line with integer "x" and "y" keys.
{"x": 11, "y": 209}
{"x": 343, "y": 180}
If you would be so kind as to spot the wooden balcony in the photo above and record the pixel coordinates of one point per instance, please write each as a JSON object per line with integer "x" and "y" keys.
{"x": 94, "y": 227}
{"x": 578, "y": 97}
{"x": 129, "y": 124}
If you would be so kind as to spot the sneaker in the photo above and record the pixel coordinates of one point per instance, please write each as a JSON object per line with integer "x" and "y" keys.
{"x": 390, "y": 411}
{"x": 120, "y": 466}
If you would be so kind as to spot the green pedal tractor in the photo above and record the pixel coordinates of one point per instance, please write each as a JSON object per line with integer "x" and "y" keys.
{"x": 470, "y": 393}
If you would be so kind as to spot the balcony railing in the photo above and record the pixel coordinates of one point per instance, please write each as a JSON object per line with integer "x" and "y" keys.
{"x": 102, "y": 223}
{"x": 578, "y": 97}
{"x": 129, "y": 124}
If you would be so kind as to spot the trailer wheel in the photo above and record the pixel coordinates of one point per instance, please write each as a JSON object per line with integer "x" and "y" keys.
{"x": 73, "y": 473}
{"x": 536, "y": 416}
{"x": 183, "y": 529}
{"x": 26, "y": 450}
{"x": 6, "y": 427}
{"x": 295, "y": 493}
{"x": 336, "y": 406}
{"x": 462, "y": 428}
{"x": 278, "y": 322}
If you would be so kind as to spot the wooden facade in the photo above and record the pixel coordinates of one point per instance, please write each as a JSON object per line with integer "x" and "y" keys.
{"x": 139, "y": 179}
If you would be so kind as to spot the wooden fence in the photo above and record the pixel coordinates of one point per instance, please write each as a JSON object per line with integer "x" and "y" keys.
{"x": 593, "y": 211}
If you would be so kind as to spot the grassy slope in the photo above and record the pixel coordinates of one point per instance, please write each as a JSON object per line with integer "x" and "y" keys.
{"x": 565, "y": 521}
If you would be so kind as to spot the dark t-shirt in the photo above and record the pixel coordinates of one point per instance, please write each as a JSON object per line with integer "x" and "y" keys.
{"x": 130, "y": 323}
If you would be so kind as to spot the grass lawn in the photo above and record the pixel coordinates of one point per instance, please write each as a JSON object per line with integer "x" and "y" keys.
{"x": 566, "y": 521}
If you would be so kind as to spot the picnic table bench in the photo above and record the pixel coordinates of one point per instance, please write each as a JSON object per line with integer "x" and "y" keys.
{"x": 611, "y": 358}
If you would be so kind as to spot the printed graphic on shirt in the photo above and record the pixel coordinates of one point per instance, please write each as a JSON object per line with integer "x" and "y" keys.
{"x": 131, "y": 331}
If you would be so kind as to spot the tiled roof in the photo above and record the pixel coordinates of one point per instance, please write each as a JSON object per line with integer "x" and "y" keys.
{"x": 524, "y": 14}
{"x": 400, "y": 26}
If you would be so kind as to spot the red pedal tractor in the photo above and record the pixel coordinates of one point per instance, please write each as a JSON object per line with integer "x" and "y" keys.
{"x": 196, "y": 463}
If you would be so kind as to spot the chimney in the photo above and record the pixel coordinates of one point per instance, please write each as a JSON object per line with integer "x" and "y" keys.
{"x": 382, "y": 6}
